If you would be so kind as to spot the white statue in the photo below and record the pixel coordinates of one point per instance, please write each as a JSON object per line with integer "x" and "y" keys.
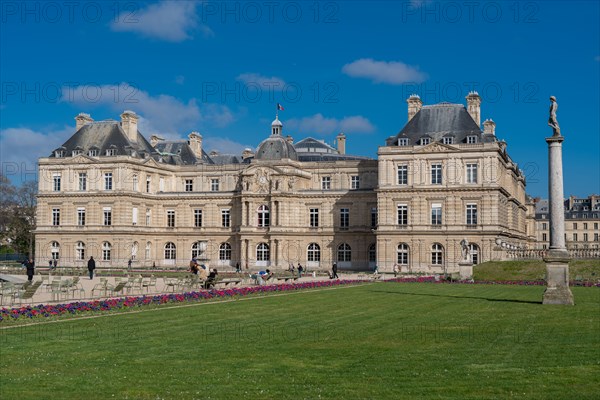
{"x": 466, "y": 254}
{"x": 552, "y": 121}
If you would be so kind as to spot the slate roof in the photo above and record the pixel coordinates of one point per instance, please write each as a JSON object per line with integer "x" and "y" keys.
{"x": 275, "y": 148}
{"x": 439, "y": 120}
{"x": 223, "y": 159}
{"x": 178, "y": 152}
{"x": 103, "y": 135}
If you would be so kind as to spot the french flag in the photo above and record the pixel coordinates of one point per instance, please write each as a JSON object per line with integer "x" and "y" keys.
{"x": 280, "y": 107}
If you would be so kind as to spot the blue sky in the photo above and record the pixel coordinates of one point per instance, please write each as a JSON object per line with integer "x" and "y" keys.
{"x": 220, "y": 67}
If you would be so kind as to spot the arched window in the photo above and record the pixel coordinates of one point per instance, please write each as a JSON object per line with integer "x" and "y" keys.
{"x": 148, "y": 250}
{"x": 80, "y": 251}
{"x": 170, "y": 251}
{"x": 474, "y": 250}
{"x": 314, "y": 252}
{"x": 198, "y": 249}
{"x": 106, "y": 247}
{"x": 344, "y": 253}
{"x": 225, "y": 252}
{"x": 402, "y": 253}
{"x": 437, "y": 254}
{"x": 263, "y": 216}
{"x": 55, "y": 250}
{"x": 134, "y": 250}
{"x": 262, "y": 252}
{"x": 372, "y": 253}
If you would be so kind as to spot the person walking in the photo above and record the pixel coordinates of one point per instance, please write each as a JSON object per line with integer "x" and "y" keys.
{"x": 30, "y": 266}
{"x": 129, "y": 264}
{"x": 300, "y": 269}
{"x": 91, "y": 267}
{"x": 334, "y": 274}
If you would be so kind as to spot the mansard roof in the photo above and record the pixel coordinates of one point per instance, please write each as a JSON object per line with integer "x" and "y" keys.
{"x": 310, "y": 144}
{"x": 103, "y": 135}
{"x": 180, "y": 153}
{"x": 439, "y": 120}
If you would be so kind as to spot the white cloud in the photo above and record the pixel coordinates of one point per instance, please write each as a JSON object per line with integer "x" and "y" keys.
{"x": 161, "y": 114}
{"x": 172, "y": 21}
{"x": 392, "y": 72}
{"x": 21, "y": 147}
{"x": 253, "y": 79}
{"x": 318, "y": 124}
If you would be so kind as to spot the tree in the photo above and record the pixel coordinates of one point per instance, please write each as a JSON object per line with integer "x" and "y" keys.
{"x": 17, "y": 215}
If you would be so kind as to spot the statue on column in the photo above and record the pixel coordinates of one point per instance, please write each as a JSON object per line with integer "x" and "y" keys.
{"x": 552, "y": 121}
{"x": 464, "y": 246}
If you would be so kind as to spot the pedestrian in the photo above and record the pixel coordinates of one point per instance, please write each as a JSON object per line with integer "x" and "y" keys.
{"x": 238, "y": 268}
{"x": 334, "y": 274}
{"x": 129, "y": 264}
{"x": 91, "y": 267}
{"x": 300, "y": 269}
{"x": 54, "y": 263}
{"x": 50, "y": 263}
{"x": 30, "y": 266}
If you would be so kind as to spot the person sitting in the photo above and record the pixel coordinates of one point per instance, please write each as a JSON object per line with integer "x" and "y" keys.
{"x": 212, "y": 277}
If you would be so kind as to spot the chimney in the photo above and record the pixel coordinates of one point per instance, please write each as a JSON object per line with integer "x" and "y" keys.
{"x": 129, "y": 122}
{"x": 414, "y": 105}
{"x": 474, "y": 107}
{"x": 196, "y": 144}
{"x": 247, "y": 153}
{"x": 81, "y": 119}
{"x": 289, "y": 139}
{"x": 489, "y": 127}
{"x": 154, "y": 139}
{"x": 341, "y": 143}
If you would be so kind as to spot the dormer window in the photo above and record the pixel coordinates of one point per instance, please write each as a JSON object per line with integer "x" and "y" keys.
{"x": 471, "y": 139}
{"x": 403, "y": 142}
{"x": 448, "y": 140}
{"x": 76, "y": 152}
{"x": 93, "y": 153}
{"x": 59, "y": 153}
{"x": 425, "y": 141}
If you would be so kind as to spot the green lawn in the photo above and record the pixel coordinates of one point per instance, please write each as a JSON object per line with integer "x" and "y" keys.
{"x": 585, "y": 270}
{"x": 376, "y": 341}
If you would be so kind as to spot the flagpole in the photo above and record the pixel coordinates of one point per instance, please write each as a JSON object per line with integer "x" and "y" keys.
{"x": 276, "y": 111}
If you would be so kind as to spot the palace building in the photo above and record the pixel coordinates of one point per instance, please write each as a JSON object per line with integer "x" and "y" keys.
{"x": 109, "y": 193}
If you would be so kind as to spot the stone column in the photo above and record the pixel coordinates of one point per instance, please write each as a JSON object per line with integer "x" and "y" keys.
{"x": 557, "y": 258}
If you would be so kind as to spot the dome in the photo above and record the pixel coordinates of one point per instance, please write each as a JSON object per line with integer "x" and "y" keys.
{"x": 275, "y": 148}
{"x": 276, "y": 122}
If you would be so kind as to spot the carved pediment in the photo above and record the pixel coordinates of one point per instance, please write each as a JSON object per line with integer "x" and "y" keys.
{"x": 78, "y": 159}
{"x": 437, "y": 147}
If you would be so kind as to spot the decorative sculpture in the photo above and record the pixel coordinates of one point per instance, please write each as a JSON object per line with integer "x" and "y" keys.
{"x": 464, "y": 245}
{"x": 552, "y": 121}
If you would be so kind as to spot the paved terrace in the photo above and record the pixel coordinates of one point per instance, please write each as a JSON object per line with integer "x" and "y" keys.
{"x": 134, "y": 285}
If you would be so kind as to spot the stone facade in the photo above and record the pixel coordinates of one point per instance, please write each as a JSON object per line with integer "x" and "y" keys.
{"x": 109, "y": 193}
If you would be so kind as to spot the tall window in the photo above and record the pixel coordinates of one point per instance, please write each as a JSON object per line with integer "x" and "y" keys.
{"x": 437, "y": 254}
{"x": 148, "y": 184}
{"x": 81, "y": 216}
{"x": 56, "y": 216}
{"x": 575, "y": 237}
{"x": 474, "y": 250}
{"x": 344, "y": 217}
{"x": 373, "y": 217}
{"x": 56, "y": 182}
{"x": 344, "y": 253}
{"x": 80, "y": 251}
{"x": 355, "y": 182}
{"x": 585, "y": 237}
{"x": 148, "y": 250}
{"x": 544, "y": 226}
{"x": 170, "y": 251}
{"x": 225, "y": 252}
{"x": 189, "y": 185}
{"x": 197, "y": 218}
{"x": 263, "y": 216}
{"x": 314, "y": 217}
{"x": 402, "y": 174}
{"x": 402, "y": 254}
{"x": 82, "y": 181}
{"x": 214, "y": 185}
{"x": 372, "y": 253}
{"x": 402, "y": 214}
{"x": 471, "y": 173}
{"x": 107, "y": 214}
{"x": 436, "y": 214}
{"x": 596, "y": 237}
{"x": 262, "y": 252}
{"x": 575, "y": 225}
{"x": 106, "y": 248}
{"x": 171, "y": 218}
{"x": 55, "y": 250}
{"x": 134, "y": 216}
{"x": 314, "y": 252}
{"x": 471, "y": 214}
{"x": 436, "y": 174}
{"x": 325, "y": 183}
{"x": 148, "y": 216}
{"x": 134, "y": 183}
{"x": 544, "y": 237}
{"x": 198, "y": 249}
{"x": 225, "y": 218}
{"x": 161, "y": 184}
{"x": 108, "y": 181}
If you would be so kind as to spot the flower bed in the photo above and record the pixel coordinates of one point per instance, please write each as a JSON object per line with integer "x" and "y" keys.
{"x": 51, "y": 310}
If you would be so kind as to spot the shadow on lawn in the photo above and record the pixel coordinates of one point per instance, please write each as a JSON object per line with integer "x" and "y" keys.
{"x": 458, "y": 297}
